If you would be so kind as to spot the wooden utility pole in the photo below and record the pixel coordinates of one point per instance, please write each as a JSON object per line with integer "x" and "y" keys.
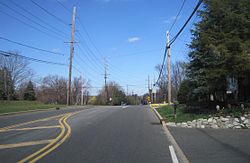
{"x": 71, "y": 55}
{"x": 82, "y": 90}
{"x": 105, "y": 80}
{"x": 149, "y": 90}
{"x": 169, "y": 72}
{"x": 127, "y": 89}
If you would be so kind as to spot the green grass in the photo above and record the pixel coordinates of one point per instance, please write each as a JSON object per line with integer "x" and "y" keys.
{"x": 167, "y": 113}
{"x": 16, "y": 106}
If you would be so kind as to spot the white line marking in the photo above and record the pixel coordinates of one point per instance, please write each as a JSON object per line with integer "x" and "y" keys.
{"x": 173, "y": 155}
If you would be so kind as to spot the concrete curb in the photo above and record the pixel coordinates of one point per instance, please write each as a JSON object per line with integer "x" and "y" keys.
{"x": 158, "y": 115}
{"x": 180, "y": 154}
{"x": 36, "y": 110}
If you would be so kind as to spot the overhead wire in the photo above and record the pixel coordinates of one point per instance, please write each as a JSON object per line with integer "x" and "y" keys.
{"x": 38, "y": 18}
{"x": 49, "y": 13}
{"x": 29, "y": 25}
{"x": 177, "y": 16}
{"x": 31, "y": 20}
{"x": 88, "y": 58}
{"x": 90, "y": 55}
{"x": 31, "y": 47}
{"x": 189, "y": 18}
{"x": 7, "y": 54}
{"x": 175, "y": 37}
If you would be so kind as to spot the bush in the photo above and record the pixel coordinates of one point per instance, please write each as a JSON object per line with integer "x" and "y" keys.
{"x": 183, "y": 91}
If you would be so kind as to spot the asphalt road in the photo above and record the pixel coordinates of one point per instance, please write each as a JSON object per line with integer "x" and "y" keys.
{"x": 99, "y": 134}
{"x": 213, "y": 145}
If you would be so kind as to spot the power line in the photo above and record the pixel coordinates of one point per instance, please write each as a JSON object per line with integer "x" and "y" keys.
{"x": 175, "y": 37}
{"x": 31, "y": 26}
{"x": 26, "y": 17}
{"x": 163, "y": 63}
{"x": 88, "y": 58}
{"x": 91, "y": 53}
{"x": 194, "y": 11}
{"x": 41, "y": 20}
{"x": 57, "y": 18}
{"x": 67, "y": 9}
{"x": 176, "y": 17}
{"x": 31, "y": 47}
{"x": 7, "y": 54}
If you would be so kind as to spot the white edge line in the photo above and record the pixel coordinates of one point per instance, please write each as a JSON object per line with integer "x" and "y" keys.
{"x": 173, "y": 155}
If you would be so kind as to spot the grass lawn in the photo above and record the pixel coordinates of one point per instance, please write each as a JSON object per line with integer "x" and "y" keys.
{"x": 167, "y": 112}
{"x": 16, "y": 106}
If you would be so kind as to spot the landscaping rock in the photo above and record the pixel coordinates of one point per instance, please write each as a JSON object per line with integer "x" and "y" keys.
{"x": 210, "y": 120}
{"x": 229, "y": 126}
{"x": 242, "y": 118}
{"x": 237, "y": 127}
{"x": 214, "y": 126}
{"x": 172, "y": 124}
{"x": 236, "y": 120}
{"x": 236, "y": 123}
{"x": 217, "y": 122}
{"x": 224, "y": 119}
{"x": 246, "y": 121}
{"x": 184, "y": 124}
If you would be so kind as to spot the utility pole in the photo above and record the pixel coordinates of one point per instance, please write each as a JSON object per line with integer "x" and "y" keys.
{"x": 105, "y": 81}
{"x": 154, "y": 88}
{"x": 71, "y": 54}
{"x": 82, "y": 90}
{"x": 169, "y": 73}
{"x": 5, "y": 83}
{"x": 149, "y": 90}
{"x": 127, "y": 89}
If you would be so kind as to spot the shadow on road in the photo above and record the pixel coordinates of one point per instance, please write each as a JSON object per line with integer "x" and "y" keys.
{"x": 155, "y": 123}
{"x": 227, "y": 146}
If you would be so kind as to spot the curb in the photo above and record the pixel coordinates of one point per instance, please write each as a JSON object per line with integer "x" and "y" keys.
{"x": 170, "y": 137}
{"x": 158, "y": 115}
{"x": 35, "y": 110}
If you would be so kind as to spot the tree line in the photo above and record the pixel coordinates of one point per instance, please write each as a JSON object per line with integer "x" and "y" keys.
{"x": 16, "y": 84}
{"x": 218, "y": 70}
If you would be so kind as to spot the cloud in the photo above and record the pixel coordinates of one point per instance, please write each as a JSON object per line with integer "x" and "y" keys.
{"x": 133, "y": 39}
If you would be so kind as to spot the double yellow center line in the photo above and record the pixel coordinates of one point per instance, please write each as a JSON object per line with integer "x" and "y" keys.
{"x": 64, "y": 134}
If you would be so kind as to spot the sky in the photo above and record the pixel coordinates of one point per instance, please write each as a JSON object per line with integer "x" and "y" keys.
{"x": 128, "y": 36}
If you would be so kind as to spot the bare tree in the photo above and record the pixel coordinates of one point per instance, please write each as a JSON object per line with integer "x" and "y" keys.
{"x": 17, "y": 67}
{"x": 115, "y": 92}
{"x": 76, "y": 90}
{"x": 178, "y": 70}
{"x": 177, "y": 76}
{"x": 53, "y": 90}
